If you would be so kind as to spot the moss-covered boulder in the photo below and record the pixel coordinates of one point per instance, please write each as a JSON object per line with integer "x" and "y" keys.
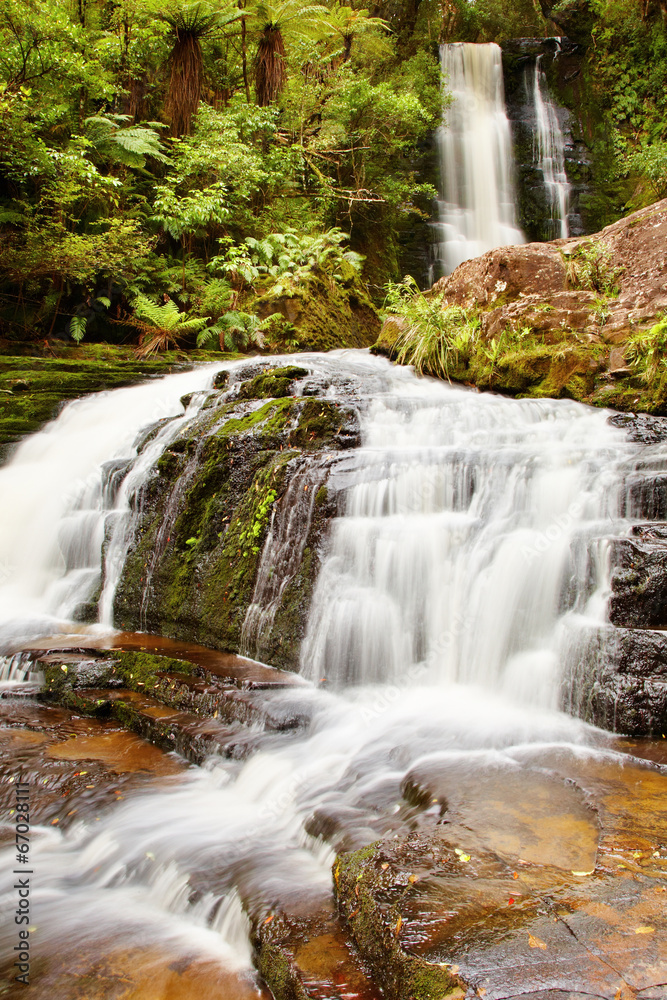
{"x": 321, "y": 314}
{"x": 248, "y": 466}
{"x": 35, "y": 386}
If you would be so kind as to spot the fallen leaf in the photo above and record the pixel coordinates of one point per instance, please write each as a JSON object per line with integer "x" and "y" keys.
{"x": 385, "y": 866}
{"x": 413, "y": 878}
{"x": 581, "y": 874}
{"x": 480, "y": 991}
{"x": 536, "y": 942}
{"x": 510, "y": 901}
{"x": 269, "y": 919}
{"x": 399, "y": 924}
{"x": 515, "y": 874}
{"x": 644, "y": 929}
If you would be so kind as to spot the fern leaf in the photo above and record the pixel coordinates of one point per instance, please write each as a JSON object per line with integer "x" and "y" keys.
{"x": 77, "y": 328}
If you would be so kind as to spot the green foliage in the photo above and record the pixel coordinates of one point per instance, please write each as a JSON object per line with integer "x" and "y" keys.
{"x": 235, "y": 330}
{"x": 647, "y": 352}
{"x": 650, "y": 161}
{"x": 283, "y": 260}
{"x": 250, "y": 536}
{"x": 163, "y": 325}
{"x": 117, "y": 142}
{"x": 435, "y": 339}
{"x": 590, "y": 267}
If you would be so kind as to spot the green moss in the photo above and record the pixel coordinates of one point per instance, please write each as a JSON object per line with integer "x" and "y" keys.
{"x": 367, "y": 902}
{"x": 323, "y": 314}
{"x": 272, "y": 384}
{"x": 273, "y": 415}
{"x": 318, "y": 422}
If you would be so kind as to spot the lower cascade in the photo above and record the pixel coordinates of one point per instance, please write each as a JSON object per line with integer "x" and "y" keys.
{"x": 477, "y": 204}
{"x": 462, "y": 549}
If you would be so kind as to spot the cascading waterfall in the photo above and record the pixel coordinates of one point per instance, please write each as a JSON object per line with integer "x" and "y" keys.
{"x": 453, "y": 561}
{"x": 469, "y": 550}
{"x": 56, "y": 501}
{"x": 476, "y": 208}
{"x": 549, "y": 150}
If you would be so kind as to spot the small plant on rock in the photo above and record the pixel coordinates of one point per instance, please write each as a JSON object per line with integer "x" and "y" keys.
{"x": 589, "y": 266}
{"x": 436, "y": 338}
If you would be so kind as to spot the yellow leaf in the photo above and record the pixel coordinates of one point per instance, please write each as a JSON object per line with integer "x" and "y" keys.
{"x": 535, "y": 942}
{"x": 584, "y": 873}
{"x": 399, "y": 924}
{"x": 385, "y": 866}
{"x": 644, "y": 929}
{"x": 413, "y": 878}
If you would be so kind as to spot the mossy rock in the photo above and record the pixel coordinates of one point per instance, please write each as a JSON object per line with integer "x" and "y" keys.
{"x": 272, "y": 384}
{"x": 323, "y": 314}
{"x": 33, "y": 389}
{"x": 365, "y": 901}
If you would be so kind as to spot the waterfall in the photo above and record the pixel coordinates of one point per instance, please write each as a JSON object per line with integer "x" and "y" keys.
{"x": 548, "y": 150}
{"x": 56, "y": 500}
{"x": 467, "y": 557}
{"x": 453, "y": 561}
{"x": 476, "y": 207}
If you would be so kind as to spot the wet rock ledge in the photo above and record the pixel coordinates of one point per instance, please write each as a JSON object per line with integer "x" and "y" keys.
{"x": 253, "y": 463}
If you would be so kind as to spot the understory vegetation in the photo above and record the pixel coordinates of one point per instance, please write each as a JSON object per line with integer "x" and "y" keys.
{"x": 227, "y": 173}
{"x": 164, "y": 166}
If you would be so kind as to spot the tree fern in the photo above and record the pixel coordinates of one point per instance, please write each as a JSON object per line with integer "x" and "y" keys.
{"x": 126, "y": 144}
{"x": 162, "y": 325}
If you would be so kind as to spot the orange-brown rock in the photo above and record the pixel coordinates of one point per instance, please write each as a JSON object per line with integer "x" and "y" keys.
{"x": 531, "y": 286}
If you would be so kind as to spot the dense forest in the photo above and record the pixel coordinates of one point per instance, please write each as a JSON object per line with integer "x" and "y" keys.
{"x": 173, "y": 173}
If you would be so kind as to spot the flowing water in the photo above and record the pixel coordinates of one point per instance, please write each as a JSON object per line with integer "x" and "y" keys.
{"x": 549, "y": 151}
{"x": 469, "y": 548}
{"x": 477, "y": 204}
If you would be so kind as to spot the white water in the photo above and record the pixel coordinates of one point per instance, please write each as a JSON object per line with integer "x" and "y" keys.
{"x": 452, "y": 580}
{"x": 549, "y": 150}
{"x": 476, "y": 208}
{"x": 53, "y": 507}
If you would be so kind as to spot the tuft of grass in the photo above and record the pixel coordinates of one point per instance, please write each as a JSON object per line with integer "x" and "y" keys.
{"x": 436, "y": 339}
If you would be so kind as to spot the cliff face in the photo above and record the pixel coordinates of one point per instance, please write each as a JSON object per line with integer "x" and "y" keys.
{"x": 561, "y": 60}
{"x": 253, "y": 462}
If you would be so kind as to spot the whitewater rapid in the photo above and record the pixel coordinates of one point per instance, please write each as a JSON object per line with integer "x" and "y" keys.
{"x": 469, "y": 545}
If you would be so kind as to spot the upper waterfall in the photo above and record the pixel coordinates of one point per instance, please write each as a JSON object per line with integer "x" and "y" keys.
{"x": 476, "y": 208}
{"x": 549, "y": 151}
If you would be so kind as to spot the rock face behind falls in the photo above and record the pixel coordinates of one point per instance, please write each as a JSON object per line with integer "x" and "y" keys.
{"x": 255, "y": 457}
{"x": 567, "y": 317}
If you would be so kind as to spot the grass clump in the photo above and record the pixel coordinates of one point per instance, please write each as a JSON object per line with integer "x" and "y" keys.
{"x": 590, "y": 267}
{"x": 435, "y": 338}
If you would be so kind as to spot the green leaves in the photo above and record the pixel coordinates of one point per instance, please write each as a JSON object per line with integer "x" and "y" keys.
{"x": 435, "y": 338}
{"x": 116, "y": 142}
{"x": 77, "y": 328}
{"x": 281, "y": 260}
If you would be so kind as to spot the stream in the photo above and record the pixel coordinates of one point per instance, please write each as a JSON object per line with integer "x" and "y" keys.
{"x": 468, "y": 557}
